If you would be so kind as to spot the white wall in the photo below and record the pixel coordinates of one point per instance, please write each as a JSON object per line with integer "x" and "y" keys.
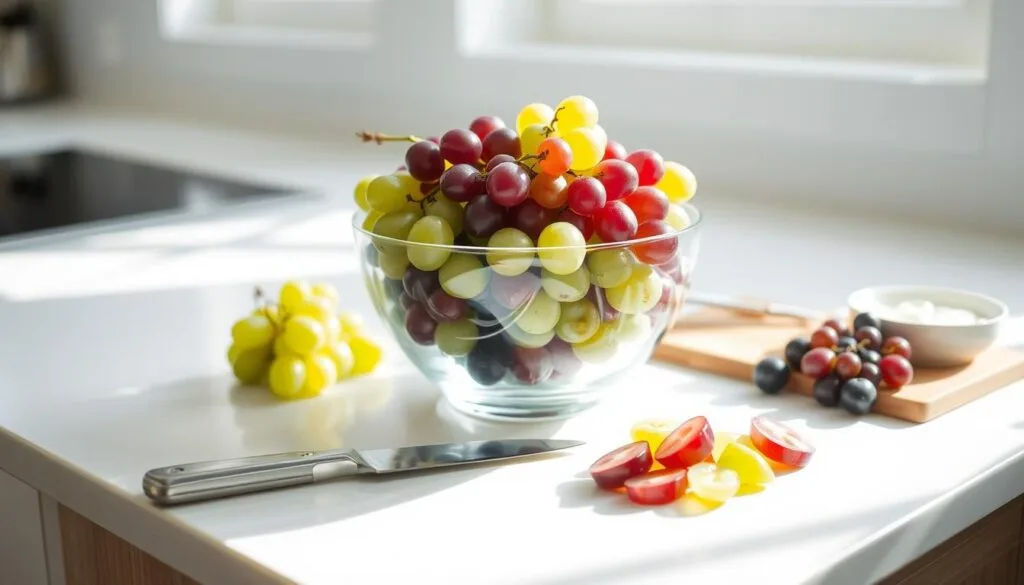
{"x": 949, "y": 154}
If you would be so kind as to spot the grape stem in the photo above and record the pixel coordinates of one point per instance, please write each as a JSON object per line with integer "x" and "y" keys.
{"x": 381, "y": 138}
{"x": 550, "y": 128}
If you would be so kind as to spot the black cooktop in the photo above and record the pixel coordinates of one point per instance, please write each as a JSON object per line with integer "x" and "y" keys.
{"x": 69, "y": 187}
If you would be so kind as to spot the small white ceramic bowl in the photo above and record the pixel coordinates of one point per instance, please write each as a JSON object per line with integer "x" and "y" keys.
{"x": 931, "y": 318}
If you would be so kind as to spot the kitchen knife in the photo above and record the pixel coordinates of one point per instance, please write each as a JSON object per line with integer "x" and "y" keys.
{"x": 204, "y": 480}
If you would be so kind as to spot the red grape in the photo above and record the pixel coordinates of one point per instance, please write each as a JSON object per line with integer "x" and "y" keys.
{"x": 871, "y": 372}
{"x": 484, "y": 125}
{"x": 615, "y": 222}
{"x": 607, "y": 311}
{"x": 871, "y": 335}
{"x": 614, "y": 151}
{"x": 584, "y": 224}
{"x": 434, "y": 139}
{"x": 427, "y": 187}
{"x": 549, "y": 191}
{"x": 555, "y": 156}
{"x": 508, "y": 184}
{"x": 619, "y": 179}
{"x": 444, "y": 307}
{"x": 565, "y": 362}
{"x": 513, "y": 292}
{"x": 586, "y": 195}
{"x": 462, "y": 183}
{"x": 848, "y": 365}
{"x": 461, "y": 146}
{"x": 531, "y": 218}
{"x": 532, "y": 365}
{"x": 501, "y": 141}
{"x": 897, "y": 346}
{"x": 406, "y": 301}
{"x": 649, "y": 165}
{"x": 419, "y": 325}
{"x": 497, "y": 160}
{"x": 648, "y": 203}
{"x": 896, "y": 371}
{"x": 420, "y": 284}
{"x": 424, "y": 161}
{"x": 818, "y": 362}
{"x": 824, "y": 336}
{"x": 484, "y": 217}
{"x": 656, "y": 251}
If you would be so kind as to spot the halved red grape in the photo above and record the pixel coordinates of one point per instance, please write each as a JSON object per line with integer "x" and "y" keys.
{"x": 613, "y": 469}
{"x": 555, "y": 156}
{"x": 615, "y": 222}
{"x": 584, "y": 224}
{"x": 532, "y": 365}
{"x": 657, "y": 488}
{"x": 896, "y": 346}
{"x": 818, "y": 362}
{"x": 649, "y": 165}
{"x": 848, "y": 365}
{"x": 648, "y": 203}
{"x": 586, "y": 195}
{"x": 780, "y": 443}
{"x": 484, "y": 125}
{"x": 424, "y": 161}
{"x": 420, "y": 325}
{"x": 531, "y": 218}
{"x": 501, "y": 141}
{"x": 619, "y": 179}
{"x": 656, "y": 251}
{"x": 689, "y": 444}
{"x": 614, "y": 150}
{"x": 497, "y": 160}
{"x": 462, "y": 183}
{"x": 444, "y": 307}
{"x": 896, "y": 371}
{"x": 508, "y": 184}
{"x": 483, "y": 217}
{"x": 461, "y": 146}
{"x": 824, "y": 336}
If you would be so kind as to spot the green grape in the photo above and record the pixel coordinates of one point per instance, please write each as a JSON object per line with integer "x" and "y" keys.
{"x": 393, "y": 263}
{"x": 315, "y": 307}
{"x": 633, "y": 328}
{"x": 430, "y": 230}
{"x": 569, "y": 248}
{"x": 326, "y": 291}
{"x": 639, "y": 294}
{"x": 386, "y": 194}
{"x": 294, "y": 292}
{"x": 578, "y": 322}
{"x": 529, "y": 340}
{"x": 367, "y": 353}
{"x": 410, "y": 185}
{"x": 456, "y": 338}
{"x": 464, "y": 276}
{"x": 610, "y": 268}
{"x": 395, "y": 226}
{"x": 531, "y": 137}
{"x": 576, "y": 112}
{"x": 360, "y": 192}
{"x": 448, "y": 210}
{"x": 510, "y": 263}
{"x": 566, "y": 288}
{"x": 540, "y": 315}
{"x": 351, "y": 322}
{"x": 233, "y": 351}
{"x": 371, "y": 220}
{"x": 540, "y": 114}
{"x": 600, "y": 348}
{"x": 678, "y": 182}
{"x": 253, "y": 331}
{"x": 287, "y": 376}
{"x": 281, "y": 348}
{"x": 587, "y": 145}
{"x": 320, "y": 374}
{"x": 251, "y": 365}
{"x": 341, "y": 354}
{"x": 304, "y": 335}
{"x": 677, "y": 217}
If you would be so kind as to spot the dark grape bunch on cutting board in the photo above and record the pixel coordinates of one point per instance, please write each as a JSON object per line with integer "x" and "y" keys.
{"x": 850, "y": 363}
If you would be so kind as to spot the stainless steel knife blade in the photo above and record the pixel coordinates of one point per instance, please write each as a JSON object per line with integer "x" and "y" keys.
{"x": 205, "y": 480}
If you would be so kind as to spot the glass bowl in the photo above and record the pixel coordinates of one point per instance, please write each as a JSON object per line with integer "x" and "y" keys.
{"x": 528, "y": 333}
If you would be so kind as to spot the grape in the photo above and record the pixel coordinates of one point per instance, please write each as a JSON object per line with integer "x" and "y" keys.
{"x": 836, "y": 326}
{"x": 419, "y": 325}
{"x": 872, "y": 373}
{"x": 317, "y": 308}
{"x": 869, "y": 356}
{"x": 586, "y": 195}
{"x": 483, "y": 217}
{"x": 549, "y": 191}
{"x": 460, "y": 146}
{"x": 858, "y": 396}
{"x": 848, "y": 365}
{"x": 587, "y": 145}
{"x": 366, "y": 352}
{"x": 304, "y": 334}
{"x": 513, "y": 292}
{"x": 575, "y": 112}
{"x": 656, "y": 251}
{"x": 434, "y": 139}
{"x": 351, "y": 322}
{"x": 648, "y": 203}
{"x": 614, "y": 151}
{"x": 827, "y": 390}
{"x": 508, "y": 184}
{"x": 678, "y": 182}
{"x": 360, "y": 192}
{"x": 444, "y": 307}
{"x": 531, "y": 218}
{"x": 435, "y": 232}
{"x": 463, "y": 276}
{"x": 524, "y": 339}
{"x": 530, "y": 139}
{"x": 771, "y": 375}
{"x": 497, "y": 160}
{"x": 456, "y": 338}
{"x": 540, "y": 315}
{"x": 633, "y": 328}
{"x": 846, "y": 342}
{"x": 512, "y": 262}
{"x": 578, "y": 321}
{"x": 393, "y": 263}
{"x": 424, "y": 161}
{"x": 253, "y": 331}
{"x": 420, "y": 284}
{"x": 566, "y": 288}
{"x": 534, "y": 114}
{"x": 293, "y": 293}
{"x": 386, "y": 194}
{"x": 896, "y": 371}
{"x": 250, "y": 365}
{"x": 866, "y": 320}
{"x": 326, "y": 291}
{"x": 484, "y": 367}
{"x": 554, "y": 156}
{"x": 371, "y": 220}
{"x": 601, "y": 346}
{"x": 649, "y": 165}
{"x": 568, "y": 248}
{"x": 824, "y": 336}
{"x": 532, "y": 365}
{"x": 618, "y": 177}
{"x": 896, "y": 346}
{"x": 462, "y": 183}
{"x": 584, "y": 224}
{"x": 426, "y": 188}
{"x": 871, "y": 335}
{"x": 677, "y": 217}
{"x": 615, "y": 222}
{"x": 795, "y": 350}
{"x": 609, "y": 268}
{"x": 320, "y": 374}
{"x": 503, "y": 141}
{"x": 484, "y": 125}
{"x": 446, "y": 209}
{"x": 639, "y": 294}
{"x": 395, "y": 226}
{"x": 341, "y": 354}
{"x": 565, "y": 362}
{"x": 818, "y": 362}
{"x": 287, "y": 376}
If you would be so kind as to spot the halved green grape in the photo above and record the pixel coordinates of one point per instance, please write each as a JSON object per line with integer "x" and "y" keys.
{"x": 587, "y": 145}
{"x": 341, "y": 354}
{"x": 576, "y": 112}
{"x": 386, "y": 194}
{"x": 396, "y": 226}
{"x": 251, "y": 365}
{"x": 540, "y": 315}
{"x": 578, "y": 322}
{"x": 530, "y": 139}
{"x": 530, "y": 340}
{"x": 448, "y": 210}
{"x": 464, "y": 276}
{"x": 600, "y": 348}
{"x": 360, "y": 192}
{"x": 540, "y": 114}
{"x": 304, "y": 334}
{"x": 456, "y": 338}
{"x": 510, "y": 263}
{"x": 677, "y": 217}
{"x": 252, "y": 331}
{"x": 678, "y": 182}
{"x": 569, "y": 248}
{"x": 287, "y": 376}
{"x": 639, "y": 294}
{"x": 611, "y": 267}
{"x": 430, "y": 230}
{"x": 294, "y": 292}
{"x": 631, "y": 328}
{"x": 566, "y": 288}
{"x": 393, "y": 263}
{"x": 320, "y": 374}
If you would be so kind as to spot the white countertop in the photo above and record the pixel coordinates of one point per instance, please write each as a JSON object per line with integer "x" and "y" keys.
{"x": 112, "y": 363}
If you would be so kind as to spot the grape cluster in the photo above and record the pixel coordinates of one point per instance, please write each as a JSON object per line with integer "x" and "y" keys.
{"x": 483, "y": 236}
{"x": 849, "y": 365}
{"x": 301, "y": 344}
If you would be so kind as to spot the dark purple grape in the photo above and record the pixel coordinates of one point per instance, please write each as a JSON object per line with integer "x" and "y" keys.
{"x": 866, "y": 320}
{"x": 462, "y": 183}
{"x": 532, "y": 365}
{"x": 826, "y": 390}
{"x": 497, "y": 160}
{"x": 513, "y": 292}
{"x": 871, "y": 372}
{"x": 871, "y": 335}
{"x": 406, "y": 301}
{"x": 508, "y": 184}
{"x": 484, "y": 217}
{"x": 444, "y": 307}
{"x": 419, "y": 325}
{"x": 424, "y": 161}
{"x": 795, "y": 350}
{"x": 846, "y": 342}
{"x": 419, "y": 284}
{"x": 461, "y": 146}
{"x": 858, "y": 396}
{"x": 771, "y": 375}
{"x": 531, "y": 218}
{"x": 869, "y": 356}
{"x": 489, "y": 360}
{"x": 501, "y": 141}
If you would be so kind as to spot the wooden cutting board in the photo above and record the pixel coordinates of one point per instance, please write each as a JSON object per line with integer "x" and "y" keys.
{"x": 730, "y": 344}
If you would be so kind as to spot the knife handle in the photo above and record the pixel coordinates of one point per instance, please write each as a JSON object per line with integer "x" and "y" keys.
{"x": 204, "y": 480}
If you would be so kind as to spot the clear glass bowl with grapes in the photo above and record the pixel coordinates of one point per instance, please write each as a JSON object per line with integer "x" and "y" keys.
{"x": 524, "y": 285}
